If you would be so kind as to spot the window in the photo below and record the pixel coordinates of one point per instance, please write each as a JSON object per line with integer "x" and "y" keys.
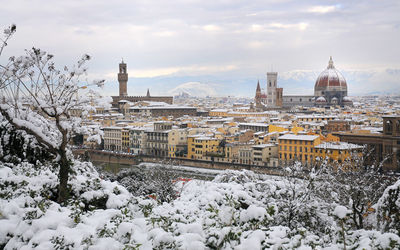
{"x": 389, "y": 127}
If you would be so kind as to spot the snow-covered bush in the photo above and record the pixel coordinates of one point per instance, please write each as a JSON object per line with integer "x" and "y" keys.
{"x": 388, "y": 209}
{"x": 207, "y": 215}
{"x": 156, "y": 181}
{"x": 16, "y": 146}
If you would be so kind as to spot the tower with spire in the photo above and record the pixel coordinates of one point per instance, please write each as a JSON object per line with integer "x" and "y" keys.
{"x": 258, "y": 93}
{"x": 123, "y": 79}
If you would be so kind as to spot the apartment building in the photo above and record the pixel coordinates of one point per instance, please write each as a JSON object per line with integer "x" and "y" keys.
{"x": 201, "y": 145}
{"x": 263, "y": 153}
{"x": 112, "y": 138}
{"x": 177, "y": 143}
{"x": 137, "y": 140}
{"x": 338, "y": 151}
{"x": 297, "y": 147}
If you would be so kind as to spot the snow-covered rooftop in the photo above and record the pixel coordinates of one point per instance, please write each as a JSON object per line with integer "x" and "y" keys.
{"x": 298, "y": 137}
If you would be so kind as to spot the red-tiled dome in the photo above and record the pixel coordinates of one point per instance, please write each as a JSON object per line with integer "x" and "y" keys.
{"x": 331, "y": 79}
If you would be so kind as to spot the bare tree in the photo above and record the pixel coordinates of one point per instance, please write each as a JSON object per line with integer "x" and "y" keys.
{"x": 39, "y": 99}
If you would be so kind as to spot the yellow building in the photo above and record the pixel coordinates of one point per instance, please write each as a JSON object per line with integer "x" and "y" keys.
{"x": 338, "y": 151}
{"x": 295, "y": 130}
{"x": 200, "y": 146}
{"x": 297, "y": 147}
{"x": 125, "y": 139}
{"x": 218, "y": 112}
{"x": 274, "y": 128}
{"x": 177, "y": 142}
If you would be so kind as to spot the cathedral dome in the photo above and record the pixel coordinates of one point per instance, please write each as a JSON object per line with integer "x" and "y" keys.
{"x": 330, "y": 80}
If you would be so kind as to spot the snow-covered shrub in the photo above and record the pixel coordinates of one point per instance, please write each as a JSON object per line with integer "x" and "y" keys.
{"x": 16, "y": 146}
{"x": 356, "y": 190}
{"x": 29, "y": 215}
{"x": 207, "y": 215}
{"x": 388, "y": 209}
{"x": 243, "y": 176}
{"x": 156, "y": 181}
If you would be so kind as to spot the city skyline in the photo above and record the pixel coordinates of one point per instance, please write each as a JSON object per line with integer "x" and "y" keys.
{"x": 217, "y": 48}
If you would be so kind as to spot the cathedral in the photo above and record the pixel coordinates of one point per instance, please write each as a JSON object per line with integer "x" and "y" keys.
{"x": 330, "y": 90}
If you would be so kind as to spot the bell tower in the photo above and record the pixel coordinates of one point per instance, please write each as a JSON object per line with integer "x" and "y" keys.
{"x": 272, "y": 77}
{"x": 123, "y": 79}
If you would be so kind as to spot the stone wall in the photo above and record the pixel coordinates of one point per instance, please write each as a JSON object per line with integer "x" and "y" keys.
{"x": 115, "y": 158}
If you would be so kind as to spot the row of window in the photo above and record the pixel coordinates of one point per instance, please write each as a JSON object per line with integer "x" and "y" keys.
{"x": 300, "y": 142}
{"x": 289, "y": 156}
{"x": 306, "y": 149}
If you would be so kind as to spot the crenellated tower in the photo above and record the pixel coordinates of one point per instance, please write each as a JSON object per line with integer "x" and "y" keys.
{"x": 123, "y": 79}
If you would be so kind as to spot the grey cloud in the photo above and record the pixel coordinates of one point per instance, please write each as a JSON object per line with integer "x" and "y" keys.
{"x": 252, "y": 35}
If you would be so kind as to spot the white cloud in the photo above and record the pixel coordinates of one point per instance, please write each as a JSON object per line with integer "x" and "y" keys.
{"x": 322, "y": 9}
{"x": 205, "y": 37}
{"x": 165, "y": 33}
{"x": 211, "y": 28}
{"x": 300, "y": 26}
{"x": 185, "y": 70}
{"x": 194, "y": 89}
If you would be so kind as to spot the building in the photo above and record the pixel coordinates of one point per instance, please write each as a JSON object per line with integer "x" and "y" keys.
{"x": 123, "y": 90}
{"x": 245, "y": 154}
{"x": 263, "y": 153}
{"x": 137, "y": 140}
{"x": 330, "y": 89}
{"x": 337, "y": 126}
{"x": 177, "y": 143}
{"x": 200, "y": 146}
{"x": 112, "y": 138}
{"x": 165, "y": 111}
{"x": 338, "y": 151}
{"x": 256, "y": 127}
{"x": 297, "y": 148}
{"x": 385, "y": 146}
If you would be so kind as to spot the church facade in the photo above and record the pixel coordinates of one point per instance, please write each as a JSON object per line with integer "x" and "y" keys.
{"x": 123, "y": 91}
{"x": 330, "y": 89}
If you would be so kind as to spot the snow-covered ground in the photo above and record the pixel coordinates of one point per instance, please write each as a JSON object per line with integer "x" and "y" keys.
{"x": 237, "y": 210}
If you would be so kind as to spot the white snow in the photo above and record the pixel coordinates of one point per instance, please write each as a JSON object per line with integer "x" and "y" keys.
{"x": 341, "y": 212}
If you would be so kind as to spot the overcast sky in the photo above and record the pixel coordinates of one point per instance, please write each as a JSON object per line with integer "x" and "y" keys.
{"x": 217, "y": 47}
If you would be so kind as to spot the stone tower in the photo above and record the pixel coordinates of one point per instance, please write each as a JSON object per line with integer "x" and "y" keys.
{"x": 123, "y": 79}
{"x": 272, "y": 78}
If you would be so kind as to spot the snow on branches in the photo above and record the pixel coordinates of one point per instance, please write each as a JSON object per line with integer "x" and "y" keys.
{"x": 46, "y": 102}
